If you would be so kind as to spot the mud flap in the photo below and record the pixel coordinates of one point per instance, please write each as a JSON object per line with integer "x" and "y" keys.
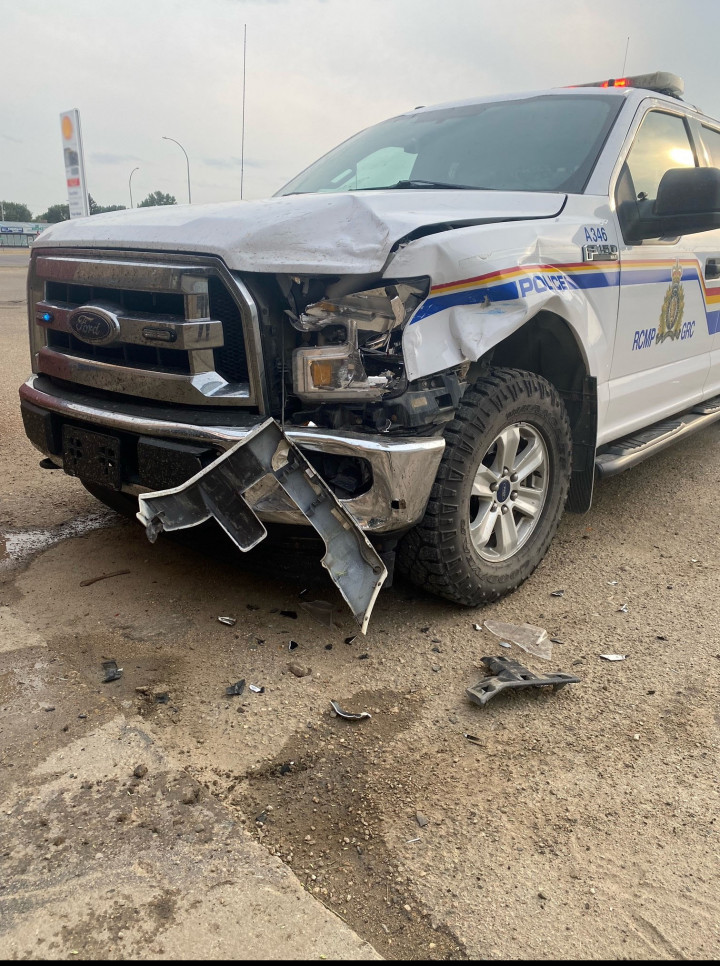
{"x": 217, "y": 492}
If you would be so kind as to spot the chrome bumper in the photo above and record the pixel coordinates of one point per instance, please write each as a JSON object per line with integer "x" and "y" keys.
{"x": 403, "y": 470}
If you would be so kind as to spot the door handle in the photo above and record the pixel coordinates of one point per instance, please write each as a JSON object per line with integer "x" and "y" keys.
{"x": 712, "y": 268}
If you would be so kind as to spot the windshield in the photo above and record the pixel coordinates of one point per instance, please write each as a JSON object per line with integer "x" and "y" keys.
{"x": 542, "y": 143}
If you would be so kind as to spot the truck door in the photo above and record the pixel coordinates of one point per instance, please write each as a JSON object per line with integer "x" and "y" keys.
{"x": 661, "y": 356}
{"x": 708, "y": 252}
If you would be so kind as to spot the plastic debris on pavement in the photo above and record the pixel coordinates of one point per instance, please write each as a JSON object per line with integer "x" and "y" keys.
{"x": 557, "y": 593}
{"x": 473, "y": 738}
{"x": 230, "y": 621}
{"x": 349, "y": 715}
{"x": 613, "y": 657}
{"x": 505, "y": 673}
{"x": 256, "y": 689}
{"x": 236, "y": 688}
{"x": 292, "y": 645}
{"x": 532, "y": 639}
{"x": 111, "y": 671}
{"x": 623, "y": 609}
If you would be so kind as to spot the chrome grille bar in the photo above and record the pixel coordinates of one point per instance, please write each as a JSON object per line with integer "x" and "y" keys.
{"x": 116, "y": 281}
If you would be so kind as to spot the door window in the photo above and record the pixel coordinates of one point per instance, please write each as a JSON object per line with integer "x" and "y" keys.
{"x": 712, "y": 143}
{"x": 661, "y": 143}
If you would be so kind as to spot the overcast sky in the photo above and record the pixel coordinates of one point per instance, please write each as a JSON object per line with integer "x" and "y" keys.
{"x": 316, "y": 72}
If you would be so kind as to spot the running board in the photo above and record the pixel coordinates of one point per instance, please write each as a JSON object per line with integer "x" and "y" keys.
{"x": 633, "y": 449}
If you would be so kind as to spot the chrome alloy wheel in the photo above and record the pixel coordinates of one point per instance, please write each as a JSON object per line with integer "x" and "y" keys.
{"x": 509, "y": 491}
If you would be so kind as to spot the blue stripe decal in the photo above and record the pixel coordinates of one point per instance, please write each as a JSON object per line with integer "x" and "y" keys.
{"x": 541, "y": 282}
{"x": 594, "y": 280}
{"x": 473, "y": 296}
{"x": 713, "y": 322}
{"x": 644, "y": 276}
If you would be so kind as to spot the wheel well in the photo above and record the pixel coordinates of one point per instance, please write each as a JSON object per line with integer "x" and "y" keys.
{"x": 547, "y": 346}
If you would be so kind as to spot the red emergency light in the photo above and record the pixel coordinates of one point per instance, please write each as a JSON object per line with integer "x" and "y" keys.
{"x": 661, "y": 82}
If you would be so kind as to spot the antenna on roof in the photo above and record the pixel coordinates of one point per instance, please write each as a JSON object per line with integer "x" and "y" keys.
{"x": 622, "y": 73}
{"x": 242, "y": 142}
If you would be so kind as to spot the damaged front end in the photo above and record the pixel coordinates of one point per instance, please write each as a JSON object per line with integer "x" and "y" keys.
{"x": 371, "y": 442}
{"x": 218, "y": 492}
{"x": 347, "y": 368}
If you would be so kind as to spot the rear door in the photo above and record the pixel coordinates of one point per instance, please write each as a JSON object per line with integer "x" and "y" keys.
{"x": 661, "y": 356}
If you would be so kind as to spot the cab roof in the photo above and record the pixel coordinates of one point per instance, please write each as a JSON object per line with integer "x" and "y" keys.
{"x": 660, "y": 83}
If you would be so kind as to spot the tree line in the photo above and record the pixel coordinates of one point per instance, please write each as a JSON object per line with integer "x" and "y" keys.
{"x": 16, "y": 211}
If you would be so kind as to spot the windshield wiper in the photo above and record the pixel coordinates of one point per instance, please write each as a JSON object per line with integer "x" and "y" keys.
{"x": 416, "y": 183}
{"x": 412, "y": 183}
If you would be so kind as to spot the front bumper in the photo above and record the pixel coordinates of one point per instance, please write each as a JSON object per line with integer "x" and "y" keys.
{"x": 403, "y": 469}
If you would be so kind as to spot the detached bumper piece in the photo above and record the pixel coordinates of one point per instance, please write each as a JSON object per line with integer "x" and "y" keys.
{"x": 507, "y": 673}
{"x": 217, "y": 492}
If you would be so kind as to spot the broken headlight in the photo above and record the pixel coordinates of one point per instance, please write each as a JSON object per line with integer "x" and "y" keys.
{"x": 356, "y": 352}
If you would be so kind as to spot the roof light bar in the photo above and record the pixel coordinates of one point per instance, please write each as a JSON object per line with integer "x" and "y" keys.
{"x": 661, "y": 82}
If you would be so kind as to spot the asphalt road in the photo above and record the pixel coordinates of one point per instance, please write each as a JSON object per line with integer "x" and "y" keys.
{"x": 577, "y": 824}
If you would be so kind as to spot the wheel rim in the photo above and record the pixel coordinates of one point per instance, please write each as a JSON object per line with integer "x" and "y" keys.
{"x": 509, "y": 492}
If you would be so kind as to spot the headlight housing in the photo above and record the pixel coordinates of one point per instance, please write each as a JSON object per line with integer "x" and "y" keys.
{"x": 357, "y": 351}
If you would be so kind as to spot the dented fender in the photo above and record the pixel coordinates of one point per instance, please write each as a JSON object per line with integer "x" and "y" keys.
{"x": 490, "y": 280}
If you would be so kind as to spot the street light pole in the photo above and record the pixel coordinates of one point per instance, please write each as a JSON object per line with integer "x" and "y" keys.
{"x": 130, "y": 183}
{"x": 186, "y": 158}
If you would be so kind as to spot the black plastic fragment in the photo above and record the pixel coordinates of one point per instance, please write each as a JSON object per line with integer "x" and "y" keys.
{"x": 508, "y": 673}
{"x": 112, "y": 671}
{"x": 292, "y": 645}
{"x": 236, "y": 688}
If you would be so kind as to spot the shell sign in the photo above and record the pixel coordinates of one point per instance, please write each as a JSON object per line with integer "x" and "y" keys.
{"x": 74, "y": 164}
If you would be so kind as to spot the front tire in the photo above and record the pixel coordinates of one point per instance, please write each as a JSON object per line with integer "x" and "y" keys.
{"x": 499, "y": 493}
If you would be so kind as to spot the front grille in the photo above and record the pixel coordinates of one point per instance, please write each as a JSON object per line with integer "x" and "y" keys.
{"x": 181, "y": 327}
{"x": 155, "y": 303}
{"x": 230, "y": 358}
{"x": 136, "y": 356}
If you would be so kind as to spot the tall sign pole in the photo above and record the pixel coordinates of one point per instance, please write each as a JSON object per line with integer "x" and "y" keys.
{"x": 242, "y": 143}
{"x": 74, "y": 164}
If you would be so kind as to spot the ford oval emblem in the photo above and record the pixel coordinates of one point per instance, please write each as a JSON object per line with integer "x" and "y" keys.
{"x": 94, "y": 325}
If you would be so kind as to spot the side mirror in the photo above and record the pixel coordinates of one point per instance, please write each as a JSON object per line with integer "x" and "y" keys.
{"x": 688, "y": 201}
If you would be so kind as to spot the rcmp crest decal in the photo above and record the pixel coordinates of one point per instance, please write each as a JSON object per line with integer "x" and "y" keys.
{"x": 671, "y": 314}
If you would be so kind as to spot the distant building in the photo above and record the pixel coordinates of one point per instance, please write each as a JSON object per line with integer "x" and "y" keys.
{"x": 19, "y": 234}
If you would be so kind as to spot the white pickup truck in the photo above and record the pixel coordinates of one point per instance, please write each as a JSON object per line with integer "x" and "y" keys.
{"x": 432, "y": 340}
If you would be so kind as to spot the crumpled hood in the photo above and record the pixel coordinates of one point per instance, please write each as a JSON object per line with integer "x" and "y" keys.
{"x": 337, "y": 234}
